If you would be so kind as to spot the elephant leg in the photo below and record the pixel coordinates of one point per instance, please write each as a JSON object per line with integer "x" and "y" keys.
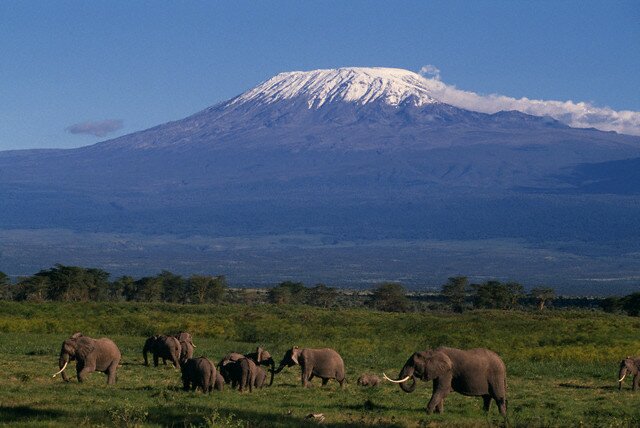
{"x": 82, "y": 374}
{"x": 635, "y": 382}
{"x": 440, "y": 407}
{"x": 439, "y": 394}
{"x": 502, "y": 406}
{"x": 306, "y": 376}
{"x": 155, "y": 360}
{"x": 487, "y": 402}
{"x": 111, "y": 373}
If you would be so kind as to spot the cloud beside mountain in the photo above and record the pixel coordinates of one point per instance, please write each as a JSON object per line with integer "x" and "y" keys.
{"x": 575, "y": 114}
{"x": 98, "y": 128}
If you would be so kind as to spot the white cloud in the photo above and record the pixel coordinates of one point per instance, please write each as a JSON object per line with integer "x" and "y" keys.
{"x": 430, "y": 72}
{"x": 575, "y": 114}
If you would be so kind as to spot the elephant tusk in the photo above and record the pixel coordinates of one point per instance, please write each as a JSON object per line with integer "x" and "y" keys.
{"x": 622, "y": 378}
{"x": 62, "y": 369}
{"x": 396, "y": 381}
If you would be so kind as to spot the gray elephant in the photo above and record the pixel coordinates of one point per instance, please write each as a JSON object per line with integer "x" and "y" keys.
{"x": 219, "y": 383}
{"x": 186, "y": 351}
{"x": 260, "y": 378}
{"x": 630, "y": 365}
{"x": 91, "y": 355}
{"x": 474, "y": 372}
{"x": 183, "y": 336}
{"x": 262, "y": 357}
{"x": 165, "y": 347}
{"x": 368, "y": 379}
{"x": 198, "y": 373}
{"x": 324, "y": 363}
{"x": 238, "y": 370}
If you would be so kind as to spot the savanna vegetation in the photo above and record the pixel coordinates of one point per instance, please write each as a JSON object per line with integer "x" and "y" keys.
{"x": 562, "y": 365}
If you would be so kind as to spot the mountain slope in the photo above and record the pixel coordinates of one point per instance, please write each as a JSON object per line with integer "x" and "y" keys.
{"x": 351, "y": 154}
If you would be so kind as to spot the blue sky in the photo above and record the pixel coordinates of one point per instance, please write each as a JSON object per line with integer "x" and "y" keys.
{"x": 130, "y": 65}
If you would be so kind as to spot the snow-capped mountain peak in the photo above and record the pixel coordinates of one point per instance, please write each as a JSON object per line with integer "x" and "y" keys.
{"x": 358, "y": 85}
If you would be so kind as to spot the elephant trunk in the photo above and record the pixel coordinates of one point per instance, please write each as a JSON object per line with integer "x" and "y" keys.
{"x": 272, "y": 370}
{"x": 621, "y": 375}
{"x": 406, "y": 386}
{"x": 279, "y": 369}
{"x": 62, "y": 364}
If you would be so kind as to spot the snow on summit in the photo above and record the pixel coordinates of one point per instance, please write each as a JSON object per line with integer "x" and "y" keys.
{"x": 352, "y": 84}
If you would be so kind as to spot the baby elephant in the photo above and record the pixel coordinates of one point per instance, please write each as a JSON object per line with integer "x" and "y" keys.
{"x": 630, "y": 365}
{"x": 369, "y": 379}
{"x": 198, "y": 373}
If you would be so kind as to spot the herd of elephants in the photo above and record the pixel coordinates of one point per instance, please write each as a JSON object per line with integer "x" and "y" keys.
{"x": 474, "y": 372}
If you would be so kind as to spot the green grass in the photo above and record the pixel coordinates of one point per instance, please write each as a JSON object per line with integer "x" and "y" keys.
{"x": 562, "y": 366}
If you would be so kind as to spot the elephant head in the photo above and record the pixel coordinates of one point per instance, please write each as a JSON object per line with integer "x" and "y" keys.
{"x": 427, "y": 365}
{"x": 627, "y": 366}
{"x": 77, "y": 347}
{"x": 264, "y": 358}
{"x": 183, "y": 336}
{"x": 290, "y": 359}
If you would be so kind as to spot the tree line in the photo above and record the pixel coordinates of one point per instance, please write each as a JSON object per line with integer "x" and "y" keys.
{"x": 77, "y": 284}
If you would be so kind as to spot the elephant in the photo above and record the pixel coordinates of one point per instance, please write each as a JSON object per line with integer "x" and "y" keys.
{"x": 261, "y": 377}
{"x": 198, "y": 373}
{"x": 473, "y": 372}
{"x": 183, "y": 336}
{"x": 368, "y": 379}
{"x": 91, "y": 355}
{"x": 239, "y": 371}
{"x": 186, "y": 351}
{"x": 630, "y": 365}
{"x": 165, "y": 347}
{"x": 219, "y": 383}
{"x": 262, "y": 357}
{"x": 324, "y": 363}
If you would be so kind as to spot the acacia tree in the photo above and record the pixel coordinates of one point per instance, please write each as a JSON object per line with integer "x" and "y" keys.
{"x": 322, "y": 296}
{"x": 455, "y": 291}
{"x": 287, "y": 292}
{"x": 205, "y": 288}
{"x": 496, "y": 295}
{"x": 542, "y": 295}
{"x": 5, "y": 286}
{"x": 390, "y": 297}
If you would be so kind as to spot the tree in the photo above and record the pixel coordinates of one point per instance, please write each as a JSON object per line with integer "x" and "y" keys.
{"x": 123, "y": 288}
{"x": 204, "y": 288}
{"x": 322, "y": 296}
{"x": 75, "y": 284}
{"x": 173, "y": 287}
{"x": 542, "y": 295}
{"x": 33, "y": 288}
{"x": 455, "y": 291}
{"x": 148, "y": 289}
{"x": 631, "y": 304}
{"x": 390, "y": 297}
{"x": 287, "y": 292}
{"x": 5, "y": 287}
{"x": 496, "y": 295}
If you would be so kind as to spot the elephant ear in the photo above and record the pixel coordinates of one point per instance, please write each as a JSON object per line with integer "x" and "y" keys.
{"x": 295, "y": 352}
{"x": 84, "y": 347}
{"x": 436, "y": 365}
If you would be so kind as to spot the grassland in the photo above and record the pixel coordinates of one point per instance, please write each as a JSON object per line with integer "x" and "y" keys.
{"x": 562, "y": 366}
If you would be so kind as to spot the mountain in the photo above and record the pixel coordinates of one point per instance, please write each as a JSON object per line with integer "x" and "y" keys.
{"x": 345, "y": 161}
